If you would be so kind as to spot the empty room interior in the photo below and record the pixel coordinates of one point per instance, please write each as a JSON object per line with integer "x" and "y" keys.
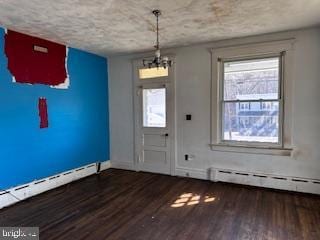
{"x": 160, "y": 120}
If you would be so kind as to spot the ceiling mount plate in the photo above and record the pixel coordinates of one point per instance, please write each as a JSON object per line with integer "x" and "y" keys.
{"x": 156, "y": 12}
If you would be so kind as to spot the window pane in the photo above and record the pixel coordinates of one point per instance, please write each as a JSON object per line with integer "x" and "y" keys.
{"x": 154, "y": 107}
{"x": 145, "y": 73}
{"x": 251, "y": 79}
{"x": 257, "y": 123}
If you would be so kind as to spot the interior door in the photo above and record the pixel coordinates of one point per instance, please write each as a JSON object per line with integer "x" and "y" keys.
{"x": 153, "y": 123}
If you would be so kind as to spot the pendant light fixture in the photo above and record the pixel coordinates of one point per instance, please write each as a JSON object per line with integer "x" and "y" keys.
{"x": 158, "y": 61}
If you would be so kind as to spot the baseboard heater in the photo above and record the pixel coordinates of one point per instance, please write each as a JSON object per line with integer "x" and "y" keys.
{"x": 297, "y": 184}
{"x": 19, "y": 193}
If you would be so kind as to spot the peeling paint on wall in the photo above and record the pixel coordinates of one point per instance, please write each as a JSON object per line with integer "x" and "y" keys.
{"x": 33, "y": 60}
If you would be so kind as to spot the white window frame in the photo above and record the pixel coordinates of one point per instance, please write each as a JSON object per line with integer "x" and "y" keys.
{"x": 222, "y": 101}
{"x": 283, "y": 50}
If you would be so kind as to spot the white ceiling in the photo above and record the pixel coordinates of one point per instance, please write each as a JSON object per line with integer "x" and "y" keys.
{"x": 125, "y": 26}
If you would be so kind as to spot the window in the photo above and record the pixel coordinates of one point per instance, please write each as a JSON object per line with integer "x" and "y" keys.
{"x": 251, "y": 98}
{"x": 146, "y": 73}
{"x": 251, "y": 83}
{"x": 154, "y": 107}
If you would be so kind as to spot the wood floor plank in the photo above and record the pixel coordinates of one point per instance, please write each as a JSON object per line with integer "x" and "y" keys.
{"x": 118, "y": 204}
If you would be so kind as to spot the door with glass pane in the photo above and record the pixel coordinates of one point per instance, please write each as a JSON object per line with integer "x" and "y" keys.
{"x": 154, "y": 135}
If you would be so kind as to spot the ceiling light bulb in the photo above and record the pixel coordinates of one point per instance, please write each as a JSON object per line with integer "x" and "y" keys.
{"x": 157, "y": 53}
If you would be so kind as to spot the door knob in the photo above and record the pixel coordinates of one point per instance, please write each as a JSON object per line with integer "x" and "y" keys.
{"x": 166, "y": 134}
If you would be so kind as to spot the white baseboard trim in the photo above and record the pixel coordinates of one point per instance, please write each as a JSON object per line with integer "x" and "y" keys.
{"x": 192, "y": 173}
{"x": 105, "y": 165}
{"x": 123, "y": 165}
{"x": 22, "y": 192}
{"x": 289, "y": 183}
{"x": 297, "y": 184}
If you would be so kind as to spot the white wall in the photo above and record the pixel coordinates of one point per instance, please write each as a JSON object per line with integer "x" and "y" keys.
{"x": 193, "y": 76}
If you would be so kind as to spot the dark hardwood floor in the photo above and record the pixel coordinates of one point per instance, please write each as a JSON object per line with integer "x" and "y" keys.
{"x": 120, "y": 204}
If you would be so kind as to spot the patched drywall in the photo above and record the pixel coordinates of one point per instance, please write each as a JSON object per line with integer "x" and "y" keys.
{"x": 193, "y": 84}
{"x": 110, "y": 26}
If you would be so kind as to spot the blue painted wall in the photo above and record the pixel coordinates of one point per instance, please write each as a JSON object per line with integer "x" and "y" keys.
{"x": 78, "y": 132}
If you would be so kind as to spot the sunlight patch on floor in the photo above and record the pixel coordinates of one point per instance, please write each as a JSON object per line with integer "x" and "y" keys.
{"x": 190, "y": 199}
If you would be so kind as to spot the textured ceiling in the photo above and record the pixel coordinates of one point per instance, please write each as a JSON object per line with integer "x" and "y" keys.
{"x": 125, "y": 26}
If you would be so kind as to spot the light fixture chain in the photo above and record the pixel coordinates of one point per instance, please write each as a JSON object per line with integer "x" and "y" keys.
{"x": 158, "y": 47}
{"x": 158, "y": 61}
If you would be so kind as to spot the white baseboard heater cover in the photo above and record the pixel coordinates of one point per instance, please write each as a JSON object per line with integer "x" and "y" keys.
{"x": 19, "y": 193}
{"x": 266, "y": 180}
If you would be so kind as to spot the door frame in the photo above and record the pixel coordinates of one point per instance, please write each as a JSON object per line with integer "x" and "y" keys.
{"x": 136, "y": 87}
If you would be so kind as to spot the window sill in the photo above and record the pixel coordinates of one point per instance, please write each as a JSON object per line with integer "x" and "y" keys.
{"x": 252, "y": 150}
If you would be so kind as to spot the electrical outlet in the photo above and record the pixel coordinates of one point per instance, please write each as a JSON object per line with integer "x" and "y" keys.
{"x": 189, "y": 157}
